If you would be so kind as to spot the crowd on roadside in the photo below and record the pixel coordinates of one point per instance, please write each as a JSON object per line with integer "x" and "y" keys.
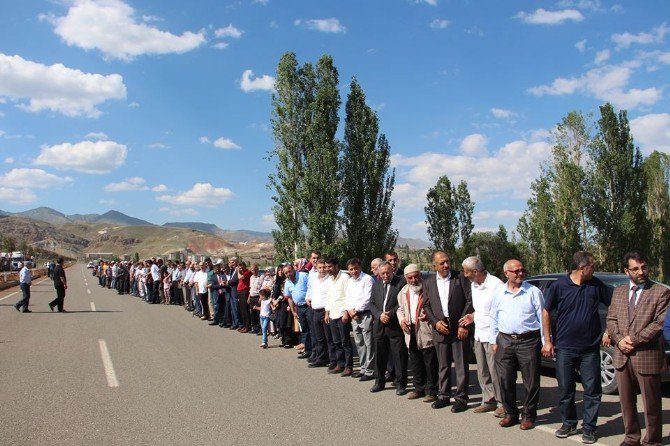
{"x": 430, "y": 324}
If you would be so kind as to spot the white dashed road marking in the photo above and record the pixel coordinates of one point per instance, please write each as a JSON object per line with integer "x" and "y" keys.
{"x": 107, "y": 363}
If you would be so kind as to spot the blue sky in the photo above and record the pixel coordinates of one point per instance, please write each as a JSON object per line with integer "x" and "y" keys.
{"x": 162, "y": 110}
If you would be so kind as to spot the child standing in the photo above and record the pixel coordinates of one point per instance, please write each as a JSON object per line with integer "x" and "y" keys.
{"x": 264, "y": 308}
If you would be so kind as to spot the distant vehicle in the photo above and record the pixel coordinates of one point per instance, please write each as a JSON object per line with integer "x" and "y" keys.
{"x": 16, "y": 258}
{"x": 90, "y": 265}
{"x": 607, "y": 376}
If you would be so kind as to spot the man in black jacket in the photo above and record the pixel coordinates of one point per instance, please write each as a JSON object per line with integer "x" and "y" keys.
{"x": 447, "y": 298}
{"x": 388, "y": 335}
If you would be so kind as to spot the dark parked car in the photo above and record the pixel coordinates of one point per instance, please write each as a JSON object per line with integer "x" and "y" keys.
{"x": 607, "y": 377}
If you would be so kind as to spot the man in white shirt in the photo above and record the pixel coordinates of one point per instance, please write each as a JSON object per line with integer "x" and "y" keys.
{"x": 317, "y": 296}
{"x": 338, "y": 318}
{"x": 483, "y": 285}
{"x": 200, "y": 282}
{"x": 24, "y": 282}
{"x": 357, "y": 303}
{"x": 156, "y": 277}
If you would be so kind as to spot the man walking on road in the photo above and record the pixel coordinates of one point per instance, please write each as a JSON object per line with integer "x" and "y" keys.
{"x": 60, "y": 284}
{"x": 24, "y": 282}
{"x": 575, "y": 299}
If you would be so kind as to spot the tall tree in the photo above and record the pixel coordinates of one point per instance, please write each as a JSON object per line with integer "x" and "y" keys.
{"x": 367, "y": 184}
{"x": 320, "y": 191}
{"x": 441, "y": 215}
{"x": 657, "y": 174}
{"x": 567, "y": 184}
{"x": 616, "y": 192}
{"x": 464, "y": 208}
{"x": 289, "y": 126}
{"x": 538, "y": 229}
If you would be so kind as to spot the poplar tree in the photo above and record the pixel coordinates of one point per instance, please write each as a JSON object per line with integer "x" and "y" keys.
{"x": 367, "y": 183}
{"x": 320, "y": 191}
{"x": 567, "y": 179}
{"x": 289, "y": 128}
{"x": 441, "y": 215}
{"x": 616, "y": 191}
{"x": 657, "y": 174}
{"x": 464, "y": 207}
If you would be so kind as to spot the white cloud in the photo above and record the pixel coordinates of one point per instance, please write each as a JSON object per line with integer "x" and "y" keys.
{"x": 33, "y": 178}
{"x": 499, "y": 214}
{"x": 261, "y": 2}
{"x": 543, "y": 17}
{"x": 127, "y": 185}
{"x": 428, "y": 2}
{"x": 652, "y": 132}
{"x": 158, "y": 145}
{"x": 133, "y": 184}
{"x": 96, "y": 135}
{"x": 331, "y": 25}
{"x": 581, "y": 45}
{"x": 626, "y": 39}
{"x": 106, "y": 202}
{"x": 9, "y": 160}
{"x": 605, "y": 83}
{"x": 264, "y": 83}
{"x": 416, "y": 174}
{"x": 95, "y": 157}
{"x": 439, "y": 24}
{"x": 268, "y": 221}
{"x": 474, "y": 145}
{"x": 228, "y": 31}
{"x": 204, "y": 140}
{"x": 201, "y": 194}
{"x": 134, "y": 105}
{"x": 220, "y": 45}
{"x": 179, "y": 212}
{"x": 593, "y": 5}
{"x": 602, "y": 56}
{"x": 502, "y": 113}
{"x": 111, "y": 27}
{"x": 226, "y": 143}
{"x": 56, "y": 87}
{"x": 17, "y": 196}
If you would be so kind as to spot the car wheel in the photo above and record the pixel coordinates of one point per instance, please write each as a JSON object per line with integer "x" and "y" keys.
{"x": 607, "y": 376}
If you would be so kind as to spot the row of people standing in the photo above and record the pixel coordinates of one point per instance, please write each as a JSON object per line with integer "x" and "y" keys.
{"x": 405, "y": 319}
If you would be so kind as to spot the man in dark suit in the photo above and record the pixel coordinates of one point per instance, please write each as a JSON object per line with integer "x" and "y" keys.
{"x": 447, "y": 298}
{"x": 634, "y": 324}
{"x": 388, "y": 336}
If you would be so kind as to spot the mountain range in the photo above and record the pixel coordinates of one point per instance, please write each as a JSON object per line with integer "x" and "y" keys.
{"x": 112, "y": 217}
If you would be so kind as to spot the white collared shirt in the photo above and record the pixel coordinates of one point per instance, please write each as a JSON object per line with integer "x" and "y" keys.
{"x": 637, "y": 293}
{"x": 319, "y": 291}
{"x": 359, "y": 292}
{"x": 336, "y": 296}
{"x": 24, "y": 276}
{"x": 200, "y": 279}
{"x": 413, "y": 304}
{"x": 482, "y": 296}
{"x": 443, "y": 290}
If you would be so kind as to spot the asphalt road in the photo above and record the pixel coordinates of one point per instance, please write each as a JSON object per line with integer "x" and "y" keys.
{"x": 173, "y": 380}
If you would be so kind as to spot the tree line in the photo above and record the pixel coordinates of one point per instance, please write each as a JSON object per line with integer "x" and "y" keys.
{"x": 596, "y": 192}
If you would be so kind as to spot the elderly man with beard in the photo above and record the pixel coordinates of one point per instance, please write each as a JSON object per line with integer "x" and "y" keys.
{"x": 418, "y": 337}
{"x": 634, "y": 322}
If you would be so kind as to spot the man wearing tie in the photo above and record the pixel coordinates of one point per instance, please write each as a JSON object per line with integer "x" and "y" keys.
{"x": 388, "y": 335}
{"x": 447, "y": 299}
{"x": 635, "y": 323}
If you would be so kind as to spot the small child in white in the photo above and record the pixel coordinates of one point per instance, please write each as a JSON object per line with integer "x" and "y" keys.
{"x": 264, "y": 308}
